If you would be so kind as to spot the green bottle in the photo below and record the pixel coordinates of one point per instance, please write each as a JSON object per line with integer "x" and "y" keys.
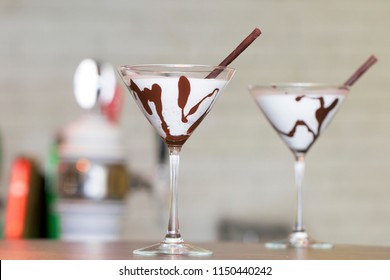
{"x": 51, "y": 170}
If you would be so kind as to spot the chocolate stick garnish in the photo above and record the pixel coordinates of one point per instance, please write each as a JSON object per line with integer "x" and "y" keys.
{"x": 236, "y": 52}
{"x": 360, "y": 71}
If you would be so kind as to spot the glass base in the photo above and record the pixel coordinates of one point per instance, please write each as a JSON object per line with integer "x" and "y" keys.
{"x": 299, "y": 239}
{"x": 172, "y": 246}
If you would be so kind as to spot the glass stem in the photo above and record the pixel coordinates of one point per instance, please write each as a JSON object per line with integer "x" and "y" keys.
{"x": 173, "y": 223}
{"x": 299, "y": 167}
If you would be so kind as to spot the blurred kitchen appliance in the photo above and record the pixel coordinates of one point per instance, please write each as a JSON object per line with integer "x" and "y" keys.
{"x": 93, "y": 179}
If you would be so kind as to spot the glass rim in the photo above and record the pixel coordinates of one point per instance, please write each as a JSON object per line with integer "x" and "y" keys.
{"x": 174, "y": 68}
{"x": 298, "y": 85}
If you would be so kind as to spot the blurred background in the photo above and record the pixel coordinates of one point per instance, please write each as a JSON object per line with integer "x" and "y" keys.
{"x": 236, "y": 176}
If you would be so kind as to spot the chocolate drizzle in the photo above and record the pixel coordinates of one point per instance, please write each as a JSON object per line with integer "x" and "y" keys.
{"x": 184, "y": 88}
{"x": 320, "y": 114}
{"x": 154, "y": 95}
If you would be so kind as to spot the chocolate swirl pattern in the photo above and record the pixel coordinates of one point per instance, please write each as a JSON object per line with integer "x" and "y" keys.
{"x": 151, "y": 100}
{"x": 299, "y": 118}
{"x": 320, "y": 115}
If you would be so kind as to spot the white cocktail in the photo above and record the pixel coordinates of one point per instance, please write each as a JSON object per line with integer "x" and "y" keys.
{"x": 175, "y": 99}
{"x": 299, "y": 113}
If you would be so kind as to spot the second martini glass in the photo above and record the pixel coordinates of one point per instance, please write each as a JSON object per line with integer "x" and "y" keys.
{"x": 299, "y": 112}
{"x": 175, "y": 99}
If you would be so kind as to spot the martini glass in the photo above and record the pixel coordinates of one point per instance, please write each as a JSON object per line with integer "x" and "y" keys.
{"x": 299, "y": 113}
{"x": 175, "y": 99}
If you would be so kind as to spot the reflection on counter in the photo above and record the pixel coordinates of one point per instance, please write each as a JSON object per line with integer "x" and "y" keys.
{"x": 250, "y": 232}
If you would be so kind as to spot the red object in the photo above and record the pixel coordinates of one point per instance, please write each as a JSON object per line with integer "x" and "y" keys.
{"x": 15, "y": 215}
{"x": 113, "y": 110}
{"x": 26, "y": 209}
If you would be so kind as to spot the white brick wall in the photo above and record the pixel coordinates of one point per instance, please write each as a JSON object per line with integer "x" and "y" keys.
{"x": 234, "y": 166}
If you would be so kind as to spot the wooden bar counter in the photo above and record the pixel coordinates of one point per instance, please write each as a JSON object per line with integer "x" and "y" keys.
{"x": 60, "y": 250}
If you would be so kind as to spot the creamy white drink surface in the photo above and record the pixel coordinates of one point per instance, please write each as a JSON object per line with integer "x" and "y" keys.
{"x": 175, "y": 105}
{"x": 299, "y": 116}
